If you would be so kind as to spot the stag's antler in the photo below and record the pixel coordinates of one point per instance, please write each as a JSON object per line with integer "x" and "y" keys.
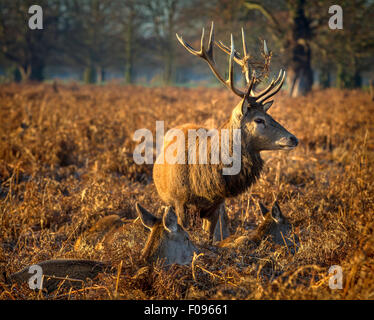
{"x": 207, "y": 55}
{"x": 243, "y": 62}
{"x": 275, "y": 85}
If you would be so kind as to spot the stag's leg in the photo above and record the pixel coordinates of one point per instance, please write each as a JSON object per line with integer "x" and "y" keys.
{"x": 221, "y": 230}
{"x": 210, "y": 224}
{"x": 180, "y": 210}
{"x": 210, "y": 217}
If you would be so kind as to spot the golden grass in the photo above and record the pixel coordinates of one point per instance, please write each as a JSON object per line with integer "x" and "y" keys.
{"x": 66, "y": 161}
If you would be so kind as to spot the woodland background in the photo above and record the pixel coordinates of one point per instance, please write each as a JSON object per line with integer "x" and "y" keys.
{"x": 94, "y": 41}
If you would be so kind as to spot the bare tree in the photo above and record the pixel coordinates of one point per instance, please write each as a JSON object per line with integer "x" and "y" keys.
{"x": 25, "y": 48}
{"x": 92, "y": 36}
{"x": 166, "y": 16}
{"x": 131, "y": 20}
{"x": 350, "y": 50}
{"x": 295, "y": 36}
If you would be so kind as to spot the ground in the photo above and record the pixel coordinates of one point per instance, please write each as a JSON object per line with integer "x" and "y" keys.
{"x": 66, "y": 160}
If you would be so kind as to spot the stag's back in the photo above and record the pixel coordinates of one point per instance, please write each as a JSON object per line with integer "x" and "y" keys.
{"x": 199, "y": 184}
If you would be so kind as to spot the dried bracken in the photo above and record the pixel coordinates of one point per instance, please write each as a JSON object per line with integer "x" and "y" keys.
{"x": 66, "y": 161}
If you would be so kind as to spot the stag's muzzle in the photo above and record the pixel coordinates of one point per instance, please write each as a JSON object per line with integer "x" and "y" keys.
{"x": 288, "y": 143}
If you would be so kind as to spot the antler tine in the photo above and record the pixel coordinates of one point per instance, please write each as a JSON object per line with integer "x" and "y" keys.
{"x": 241, "y": 61}
{"x": 245, "y": 57}
{"x": 253, "y": 80}
{"x": 188, "y": 47}
{"x": 202, "y": 49}
{"x": 244, "y": 44}
{"x": 276, "y": 89}
{"x": 266, "y": 51}
{"x": 227, "y": 50}
{"x": 211, "y": 41}
{"x": 230, "y": 80}
{"x": 269, "y": 87}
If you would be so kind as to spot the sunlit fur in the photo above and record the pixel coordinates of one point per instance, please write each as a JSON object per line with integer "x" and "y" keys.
{"x": 203, "y": 186}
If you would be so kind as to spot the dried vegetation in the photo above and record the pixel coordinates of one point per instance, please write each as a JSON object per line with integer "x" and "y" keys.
{"x": 66, "y": 161}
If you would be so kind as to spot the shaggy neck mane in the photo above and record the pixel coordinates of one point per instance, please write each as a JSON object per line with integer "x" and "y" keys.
{"x": 251, "y": 167}
{"x": 211, "y": 186}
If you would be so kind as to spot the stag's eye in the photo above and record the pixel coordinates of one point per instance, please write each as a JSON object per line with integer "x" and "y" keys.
{"x": 259, "y": 120}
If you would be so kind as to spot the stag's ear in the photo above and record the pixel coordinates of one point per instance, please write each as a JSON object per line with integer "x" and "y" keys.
{"x": 170, "y": 220}
{"x": 267, "y": 105}
{"x": 240, "y": 110}
{"x": 264, "y": 210}
{"x": 276, "y": 212}
{"x": 244, "y": 106}
{"x": 147, "y": 218}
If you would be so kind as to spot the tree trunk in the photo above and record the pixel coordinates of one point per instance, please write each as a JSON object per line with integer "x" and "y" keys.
{"x": 100, "y": 78}
{"x": 357, "y": 79}
{"x": 324, "y": 78}
{"x": 371, "y": 86}
{"x": 89, "y": 75}
{"x": 348, "y": 77}
{"x": 37, "y": 69}
{"x": 13, "y": 74}
{"x": 169, "y": 65}
{"x": 169, "y": 53}
{"x": 300, "y": 74}
{"x": 129, "y": 49}
{"x": 25, "y": 72}
{"x": 300, "y": 78}
{"x": 129, "y": 66}
{"x": 33, "y": 70}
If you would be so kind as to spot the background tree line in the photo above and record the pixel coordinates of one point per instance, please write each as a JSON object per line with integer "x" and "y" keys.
{"x": 94, "y": 38}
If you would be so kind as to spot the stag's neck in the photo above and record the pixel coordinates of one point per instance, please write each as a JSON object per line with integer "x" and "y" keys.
{"x": 251, "y": 166}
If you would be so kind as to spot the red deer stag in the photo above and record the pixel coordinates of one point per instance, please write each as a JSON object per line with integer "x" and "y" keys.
{"x": 205, "y": 186}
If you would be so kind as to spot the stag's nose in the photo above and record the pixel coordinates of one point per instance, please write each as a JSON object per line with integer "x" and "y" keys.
{"x": 294, "y": 140}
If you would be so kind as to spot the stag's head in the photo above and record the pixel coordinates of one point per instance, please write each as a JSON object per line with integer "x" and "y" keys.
{"x": 258, "y": 129}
